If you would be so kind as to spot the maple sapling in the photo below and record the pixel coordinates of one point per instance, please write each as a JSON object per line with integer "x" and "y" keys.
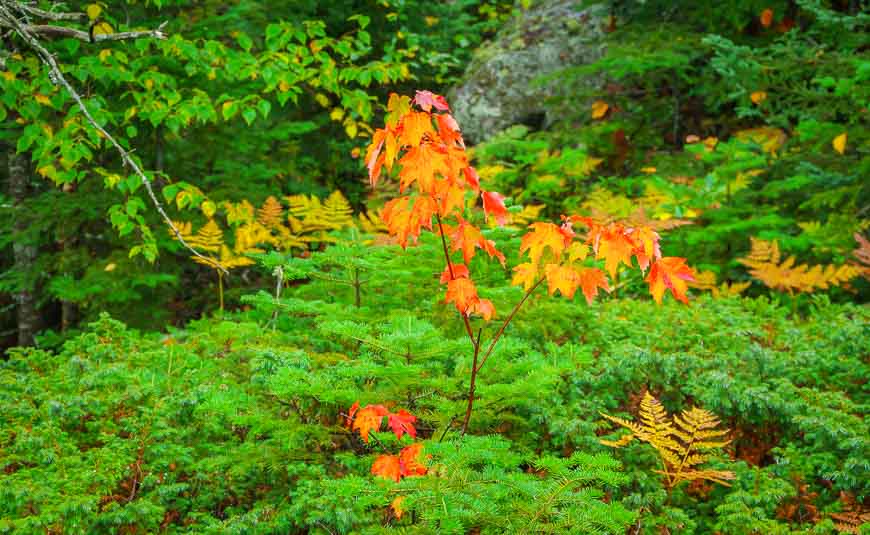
{"x": 435, "y": 176}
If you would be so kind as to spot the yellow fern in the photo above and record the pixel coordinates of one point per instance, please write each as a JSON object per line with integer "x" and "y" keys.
{"x": 371, "y": 222}
{"x": 764, "y": 264}
{"x": 239, "y": 213}
{"x": 209, "y": 238}
{"x": 270, "y": 214}
{"x": 681, "y": 441}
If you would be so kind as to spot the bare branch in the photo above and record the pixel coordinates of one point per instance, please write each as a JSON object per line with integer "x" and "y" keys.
{"x": 56, "y": 75}
{"x": 46, "y": 30}
{"x": 52, "y": 15}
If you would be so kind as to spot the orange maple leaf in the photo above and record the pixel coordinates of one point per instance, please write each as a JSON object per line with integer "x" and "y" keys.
{"x": 591, "y": 279}
{"x": 462, "y": 293}
{"x": 669, "y": 273}
{"x": 485, "y": 308}
{"x": 544, "y": 236}
{"x": 615, "y": 247}
{"x": 525, "y": 274}
{"x": 416, "y": 125}
{"x": 387, "y": 467}
{"x": 409, "y": 459}
{"x": 422, "y": 164}
{"x": 465, "y": 237}
{"x": 460, "y": 271}
{"x": 562, "y": 278}
{"x": 369, "y": 419}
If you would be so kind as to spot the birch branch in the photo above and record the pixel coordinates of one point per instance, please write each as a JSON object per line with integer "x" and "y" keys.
{"x": 6, "y": 7}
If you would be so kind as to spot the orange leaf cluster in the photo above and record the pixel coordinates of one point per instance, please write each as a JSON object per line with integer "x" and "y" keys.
{"x": 557, "y": 256}
{"x": 405, "y": 464}
{"x": 370, "y": 418}
{"x": 425, "y": 141}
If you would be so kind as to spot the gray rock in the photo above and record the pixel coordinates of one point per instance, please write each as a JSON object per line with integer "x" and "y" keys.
{"x": 501, "y": 86}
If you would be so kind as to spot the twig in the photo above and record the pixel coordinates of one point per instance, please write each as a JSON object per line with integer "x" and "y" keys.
{"x": 58, "y": 77}
{"x": 507, "y": 322}
{"x": 52, "y": 15}
{"x": 453, "y": 277}
{"x": 47, "y": 30}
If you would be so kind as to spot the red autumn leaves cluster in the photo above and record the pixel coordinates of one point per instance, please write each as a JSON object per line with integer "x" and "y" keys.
{"x": 370, "y": 418}
{"x": 425, "y": 141}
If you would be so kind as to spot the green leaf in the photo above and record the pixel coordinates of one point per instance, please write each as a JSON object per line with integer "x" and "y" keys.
{"x": 265, "y": 107}
{"x": 249, "y": 115}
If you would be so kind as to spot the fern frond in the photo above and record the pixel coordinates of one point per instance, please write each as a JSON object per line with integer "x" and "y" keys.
{"x": 270, "y": 214}
{"x": 208, "y": 238}
{"x": 624, "y": 441}
{"x": 764, "y": 264}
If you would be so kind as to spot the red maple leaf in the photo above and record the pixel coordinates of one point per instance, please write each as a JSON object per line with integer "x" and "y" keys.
{"x": 427, "y": 100}
{"x": 493, "y": 205}
{"x": 402, "y": 422}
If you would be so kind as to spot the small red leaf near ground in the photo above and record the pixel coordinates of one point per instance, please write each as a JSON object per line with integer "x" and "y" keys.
{"x": 401, "y": 423}
{"x": 387, "y": 467}
{"x": 409, "y": 461}
{"x": 350, "y": 414}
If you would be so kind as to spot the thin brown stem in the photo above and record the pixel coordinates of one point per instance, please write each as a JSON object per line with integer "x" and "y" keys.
{"x": 472, "y": 384}
{"x": 453, "y": 277}
{"x": 507, "y": 322}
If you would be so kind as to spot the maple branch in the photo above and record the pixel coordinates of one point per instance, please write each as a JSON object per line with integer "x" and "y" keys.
{"x": 57, "y": 77}
{"x": 472, "y": 384}
{"x": 453, "y": 277}
{"x": 508, "y": 320}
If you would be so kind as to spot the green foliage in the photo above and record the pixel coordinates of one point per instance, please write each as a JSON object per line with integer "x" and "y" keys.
{"x": 211, "y": 427}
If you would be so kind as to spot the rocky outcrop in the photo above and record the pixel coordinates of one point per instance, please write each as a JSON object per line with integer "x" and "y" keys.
{"x": 502, "y": 86}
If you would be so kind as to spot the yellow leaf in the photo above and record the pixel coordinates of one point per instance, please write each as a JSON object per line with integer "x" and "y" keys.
{"x": 839, "y": 143}
{"x": 110, "y": 267}
{"x": 757, "y": 97}
{"x": 599, "y": 109}
{"x": 42, "y": 99}
{"x": 350, "y": 129}
{"x": 106, "y": 53}
{"x": 149, "y": 83}
{"x": 322, "y": 99}
{"x": 8, "y": 76}
{"x": 770, "y": 138}
{"x": 431, "y": 21}
{"x": 93, "y": 11}
{"x": 211, "y": 75}
{"x": 103, "y": 28}
{"x": 336, "y": 114}
{"x": 208, "y": 208}
{"x": 648, "y": 170}
{"x": 283, "y": 86}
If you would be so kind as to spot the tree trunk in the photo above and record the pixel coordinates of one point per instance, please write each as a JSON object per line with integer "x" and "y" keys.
{"x": 24, "y": 253}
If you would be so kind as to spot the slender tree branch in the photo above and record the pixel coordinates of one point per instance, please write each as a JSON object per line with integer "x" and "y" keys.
{"x": 61, "y": 32}
{"x": 58, "y": 77}
{"x": 472, "y": 384}
{"x": 453, "y": 277}
{"x": 52, "y": 15}
{"x": 507, "y": 322}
